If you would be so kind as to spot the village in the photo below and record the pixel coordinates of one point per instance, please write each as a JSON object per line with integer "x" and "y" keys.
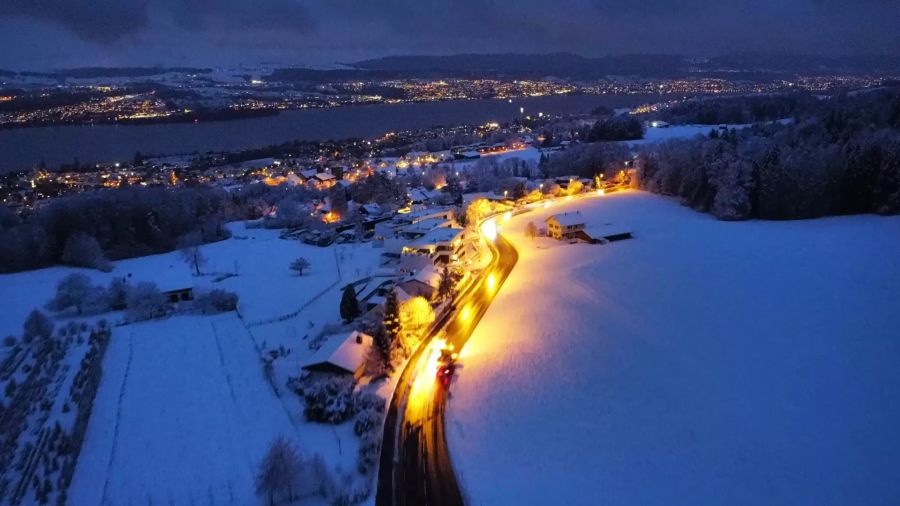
{"x": 316, "y": 316}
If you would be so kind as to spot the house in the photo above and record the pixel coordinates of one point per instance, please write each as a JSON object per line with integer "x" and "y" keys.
{"x": 565, "y": 225}
{"x": 341, "y": 355}
{"x": 565, "y": 181}
{"x": 423, "y": 196}
{"x": 369, "y": 210}
{"x": 441, "y": 245}
{"x": 423, "y": 283}
{"x": 324, "y": 180}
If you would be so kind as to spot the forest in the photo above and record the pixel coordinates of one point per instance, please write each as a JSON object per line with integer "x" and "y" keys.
{"x": 834, "y": 156}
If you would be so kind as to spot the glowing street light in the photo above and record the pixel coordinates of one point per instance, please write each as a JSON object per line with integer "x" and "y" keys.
{"x": 491, "y": 283}
{"x": 489, "y": 229}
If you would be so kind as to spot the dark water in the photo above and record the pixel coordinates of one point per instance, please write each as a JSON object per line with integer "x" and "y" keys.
{"x": 22, "y": 148}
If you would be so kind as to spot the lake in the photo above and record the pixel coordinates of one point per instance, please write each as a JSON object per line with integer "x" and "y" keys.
{"x": 21, "y": 148}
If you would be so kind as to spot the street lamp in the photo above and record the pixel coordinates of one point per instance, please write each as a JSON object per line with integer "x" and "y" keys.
{"x": 505, "y": 193}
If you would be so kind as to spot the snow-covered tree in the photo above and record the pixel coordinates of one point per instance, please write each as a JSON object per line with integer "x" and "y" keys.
{"x": 215, "y": 301}
{"x": 378, "y": 358}
{"x": 279, "y": 472}
{"x": 299, "y": 265}
{"x": 391, "y": 319}
{"x": 369, "y": 451}
{"x": 349, "y": 304}
{"x": 82, "y": 250}
{"x": 72, "y": 291}
{"x": 445, "y": 285}
{"x": 732, "y": 200}
{"x": 416, "y": 315}
{"x": 329, "y": 399}
{"x": 37, "y": 325}
{"x": 117, "y": 293}
{"x": 145, "y": 302}
{"x": 531, "y": 230}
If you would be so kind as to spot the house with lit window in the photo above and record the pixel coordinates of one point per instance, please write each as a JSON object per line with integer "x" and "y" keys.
{"x": 441, "y": 246}
{"x": 565, "y": 225}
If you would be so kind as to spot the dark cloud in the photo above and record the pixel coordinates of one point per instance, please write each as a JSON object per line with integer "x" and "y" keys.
{"x": 96, "y": 21}
{"x": 208, "y": 32}
{"x": 106, "y": 21}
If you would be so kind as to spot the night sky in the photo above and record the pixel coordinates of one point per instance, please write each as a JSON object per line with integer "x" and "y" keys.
{"x": 45, "y": 34}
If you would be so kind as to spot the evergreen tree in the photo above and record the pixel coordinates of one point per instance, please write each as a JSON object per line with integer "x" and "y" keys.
{"x": 349, "y": 304}
{"x": 518, "y": 190}
{"x": 391, "y": 320}
{"x": 445, "y": 286}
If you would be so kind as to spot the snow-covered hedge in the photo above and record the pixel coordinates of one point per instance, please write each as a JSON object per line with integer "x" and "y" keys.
{"x": 215, "y": 301}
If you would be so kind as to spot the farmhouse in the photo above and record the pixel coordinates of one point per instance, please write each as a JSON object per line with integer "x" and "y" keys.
{"x": 341, "y": 355}
{"x": 565, "y": 225}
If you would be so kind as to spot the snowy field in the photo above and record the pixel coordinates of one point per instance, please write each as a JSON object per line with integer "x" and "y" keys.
{"x": 183, "y": 415}
{"x": 267, "y": 288}
{"x": 185, "y": 412}
{"x": 653, "y": 135}
{"x": 701, "y": 362}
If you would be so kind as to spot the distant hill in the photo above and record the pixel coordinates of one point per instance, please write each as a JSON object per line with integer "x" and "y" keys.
{"x": 793, "y": 63}
{"x": 96, "y": 72}
{"x": 529, "y": 65}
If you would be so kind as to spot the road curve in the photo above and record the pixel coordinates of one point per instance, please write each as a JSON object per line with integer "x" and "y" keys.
{"x": 415, "y": 467}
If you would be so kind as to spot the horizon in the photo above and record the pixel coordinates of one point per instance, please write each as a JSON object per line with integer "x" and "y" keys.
{"x": 356, "y": 63}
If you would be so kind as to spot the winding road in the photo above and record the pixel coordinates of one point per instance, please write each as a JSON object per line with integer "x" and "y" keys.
{"x": 415, "y": 466}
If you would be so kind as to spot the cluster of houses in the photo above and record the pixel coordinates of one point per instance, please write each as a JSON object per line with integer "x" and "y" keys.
{"x": 416, "y": 247}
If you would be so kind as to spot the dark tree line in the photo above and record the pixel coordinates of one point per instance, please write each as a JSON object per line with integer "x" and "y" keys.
{"x": 90, "y": 228}
{"x": 617, "y": 128}
{"x": 585, "y": 160}
{"x": 843, "y": 157}
{"x": 741, "y": 110}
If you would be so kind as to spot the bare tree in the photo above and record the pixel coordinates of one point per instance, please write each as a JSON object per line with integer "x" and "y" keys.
{"x": 279, "y": 471}
{"x": 189, "y": 246}
{"x": 531, "y": 230}
{"x": 300, "y": 265}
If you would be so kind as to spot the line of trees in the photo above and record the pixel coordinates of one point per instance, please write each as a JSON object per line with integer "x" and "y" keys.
{"x": 89, "y": 229}
{"x": 741, "y": 110}
{"x": 841, "y": 158}
{"x": 616, "y": 128}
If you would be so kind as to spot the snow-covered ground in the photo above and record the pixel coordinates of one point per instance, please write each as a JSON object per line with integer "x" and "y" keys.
{"x": 702, "y": 362}
{"x": 653, "y": 135}
{"x": 185, "y": 412}
{"x": 183, "y": 415}
{"x": 267, "y": 288}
